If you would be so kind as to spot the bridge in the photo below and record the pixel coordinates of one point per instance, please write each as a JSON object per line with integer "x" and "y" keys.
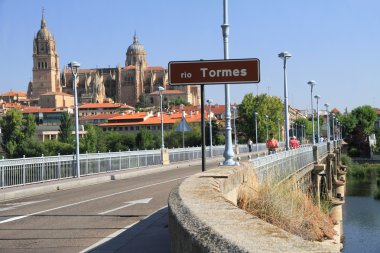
{"x": 203, "y": 212}
{"x": 194, "y": 227}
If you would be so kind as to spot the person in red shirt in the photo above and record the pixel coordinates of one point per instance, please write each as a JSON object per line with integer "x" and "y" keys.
{"x": 272, "y": 144}
{"x": 294, "y": 143}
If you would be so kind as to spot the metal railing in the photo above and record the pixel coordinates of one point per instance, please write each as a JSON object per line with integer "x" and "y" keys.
{"x": 278, "y": 166}
{"x": 15, "y": 172}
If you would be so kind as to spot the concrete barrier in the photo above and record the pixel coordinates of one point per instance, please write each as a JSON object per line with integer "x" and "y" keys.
{"x": 203, "y": 217}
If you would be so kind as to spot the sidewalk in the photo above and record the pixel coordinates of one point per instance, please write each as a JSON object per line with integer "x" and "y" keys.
{"x": 150, "y": 235}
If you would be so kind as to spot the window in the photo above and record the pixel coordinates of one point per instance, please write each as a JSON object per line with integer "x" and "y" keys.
{"x": 151, "y": 100}
{"x": 38, "y": 65}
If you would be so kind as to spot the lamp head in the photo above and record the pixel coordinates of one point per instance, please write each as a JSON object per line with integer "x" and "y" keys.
{"x": 327, "y": 105}
{"x": 160, "y": 88}
{"x": 284, "y": 55}
{"x": 209, "y": 101}
{"x": 256, "y": 114}
{"x": 312, "y": 83}
{"x": 74, "y": 66}
{"x": 317, "y": 97}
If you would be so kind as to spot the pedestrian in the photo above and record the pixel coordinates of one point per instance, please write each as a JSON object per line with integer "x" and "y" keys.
{"x": 249, "y": 143}
{"x": 321, "y": 139}
{"x": 294, "y": 143}
{"x": 272, "y": 144}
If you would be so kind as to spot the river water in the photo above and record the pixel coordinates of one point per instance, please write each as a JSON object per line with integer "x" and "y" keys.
{"x": 361, "y": 216}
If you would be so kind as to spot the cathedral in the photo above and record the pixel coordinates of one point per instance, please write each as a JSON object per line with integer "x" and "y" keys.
{"x": 133, "y": 83}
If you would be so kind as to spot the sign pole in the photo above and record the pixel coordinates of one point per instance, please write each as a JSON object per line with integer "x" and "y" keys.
{"x": 203, "y": 127}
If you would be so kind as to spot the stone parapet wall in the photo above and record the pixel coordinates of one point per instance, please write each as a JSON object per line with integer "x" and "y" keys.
{"x": 203, "y": 217}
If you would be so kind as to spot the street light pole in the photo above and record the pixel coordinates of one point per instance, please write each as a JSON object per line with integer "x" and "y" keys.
{"x": 257, "y": 145}
{"x": 333, "y": 126}
{"x": 312, "y": 83}
{"x": 74, "y": 66}
{"x": 296, "y": 129}
{"x": 266, "y": 125}
{"x": 228, "y": 152}
{"x": 318, "y": 130}
{"x": 160, "y": 90}
{"x": 235, "y": 108}
{"x": 279, "y": 130}
{"x": 285, "y": 55}
{"x": 209, "y": 101}
{"x": 327, "y": 122}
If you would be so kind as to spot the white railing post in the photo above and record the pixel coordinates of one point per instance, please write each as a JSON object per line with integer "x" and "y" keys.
{"x": 59, "y": 166}
{"x": 23, "y": 170}
{"x": 110, "y": 161}
{"x": 86, "y": 162}
{"x": 43, "y": 168}
{"x": 98, "y": 162}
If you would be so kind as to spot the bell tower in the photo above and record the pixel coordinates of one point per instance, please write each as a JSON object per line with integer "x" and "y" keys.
{"x": 46, "y": 76}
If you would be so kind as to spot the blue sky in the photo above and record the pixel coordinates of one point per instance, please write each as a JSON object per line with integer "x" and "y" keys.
{"x": 336, "y": 43}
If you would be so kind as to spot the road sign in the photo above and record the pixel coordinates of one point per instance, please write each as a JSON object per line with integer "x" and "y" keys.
{"x": 183, "y": 126}
{"x": 214, "y": 72}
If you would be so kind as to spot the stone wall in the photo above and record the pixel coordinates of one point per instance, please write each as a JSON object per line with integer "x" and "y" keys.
{"x": 203, "y": 217}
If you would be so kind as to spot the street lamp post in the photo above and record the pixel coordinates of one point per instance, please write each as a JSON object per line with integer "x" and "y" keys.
{"x": 266, "y": 125}
{"x": 333, "y": 125}
{"x": 279, "y": 130}
{"x": 74, "y": 66}
{"x": 285, "y": 55}
{"x": 296, "y": 129}
{"x": 160, "y": 90}
{"x": 228, "y": 152}
{"x": 318, "y": 130}
{"x": 312, "y": 83}
{"x": 209, "y": 101}
{"x": 327, "y": 122}
{"x": 234, "y": 109}
{"x": 257, "y": 144}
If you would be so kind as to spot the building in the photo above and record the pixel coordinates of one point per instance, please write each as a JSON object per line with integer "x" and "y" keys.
{"x": 130, "y": 84}
{"x": 133, "y": 83}
{"x": 46, "y": 73}
{"x": 104, "y": 108}
{"x": 48, "y": 121}
{"x": 13, "y": 97}
{"x": 134, "y": 122}
{"x": 56, "y": 99}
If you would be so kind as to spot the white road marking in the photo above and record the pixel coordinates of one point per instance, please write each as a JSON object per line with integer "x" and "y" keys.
{"x": 11, "y": 206}
{"x": 129, "y": 203}
{"x": 88, "y": 200}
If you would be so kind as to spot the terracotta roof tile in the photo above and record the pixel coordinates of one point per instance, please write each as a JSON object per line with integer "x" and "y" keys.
{"x": 14, "y": 93}
{"x": 37, "y": 110}
{"x": 100, "y": 105}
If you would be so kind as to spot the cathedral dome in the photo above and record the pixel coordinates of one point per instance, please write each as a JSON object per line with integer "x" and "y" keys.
{"x": 136, "y": 47}
{"x": 43, "y": 33}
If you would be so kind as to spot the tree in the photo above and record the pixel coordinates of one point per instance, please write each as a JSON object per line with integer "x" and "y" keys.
{"x": 263, "y": 105}
{"x": 29, "y": 128}
{"x": 94, "y": 140}
{"x": 12, "y": 130}
{"x": 65, "y": 134}
{"x": 178, "y": 102}
{"x": 365, "y": 118}
{"x": 145, "y": 140}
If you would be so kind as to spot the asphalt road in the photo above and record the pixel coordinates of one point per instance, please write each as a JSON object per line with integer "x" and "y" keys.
{"x": 73, "y": 220}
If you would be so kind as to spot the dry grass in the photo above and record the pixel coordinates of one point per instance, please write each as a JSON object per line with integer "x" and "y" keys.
{"x": 288, "y": 208}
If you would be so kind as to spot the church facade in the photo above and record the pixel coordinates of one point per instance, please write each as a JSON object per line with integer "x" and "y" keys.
{"x": 134, "y": 83}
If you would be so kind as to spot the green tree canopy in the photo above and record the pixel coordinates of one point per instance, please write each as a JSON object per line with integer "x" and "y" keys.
{"x": 263, "y": 105}
{"x": 12, "y": 130}
{"x": 66, "y": 128}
